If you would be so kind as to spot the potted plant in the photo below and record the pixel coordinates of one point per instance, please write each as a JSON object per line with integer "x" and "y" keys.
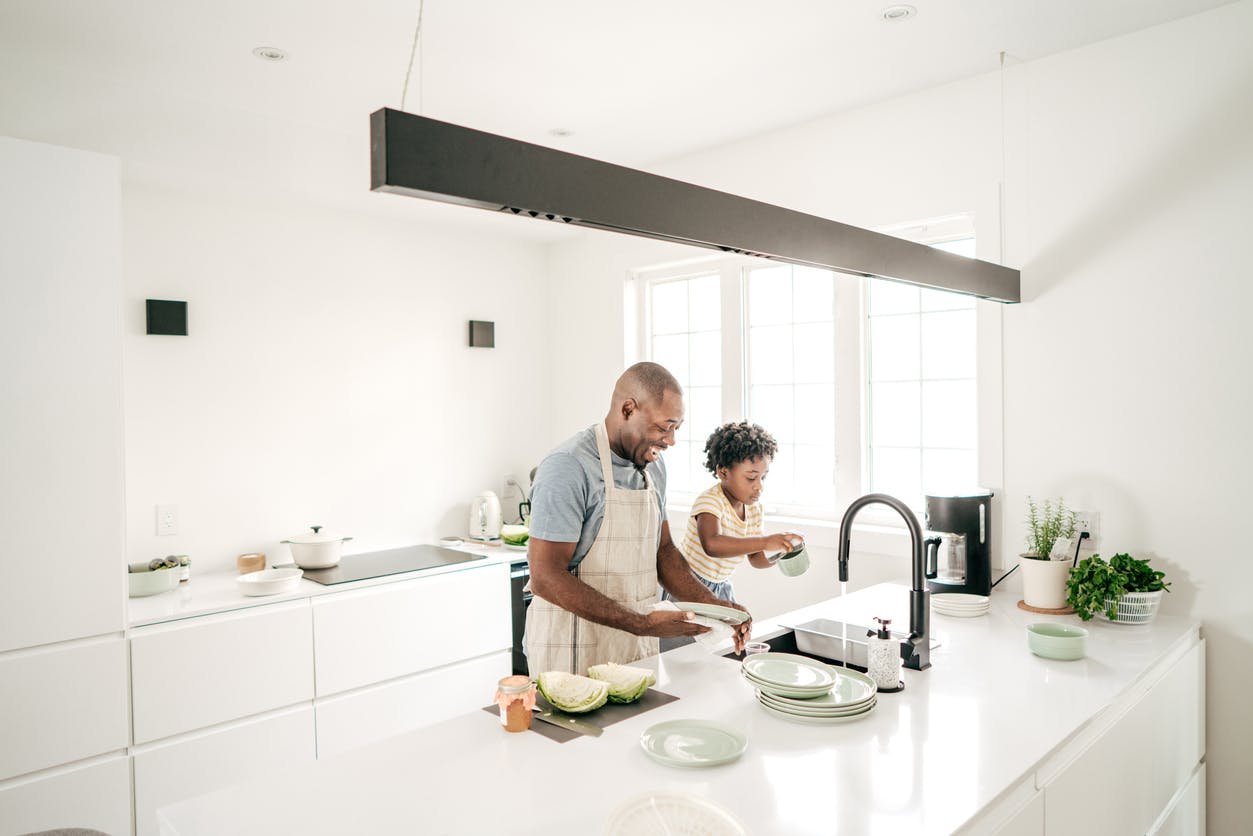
{"x": 1125, "y": 590}
{"x": 1044, "y": 580}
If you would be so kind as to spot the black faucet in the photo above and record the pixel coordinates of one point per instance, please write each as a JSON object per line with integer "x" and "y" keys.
{"x": 916, "y": 650}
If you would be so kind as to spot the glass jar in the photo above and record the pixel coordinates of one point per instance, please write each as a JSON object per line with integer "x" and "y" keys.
{"x": 516, "y": 697}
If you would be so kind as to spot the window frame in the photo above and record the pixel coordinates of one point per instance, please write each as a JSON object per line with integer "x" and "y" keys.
{"x": 851, "y": 346}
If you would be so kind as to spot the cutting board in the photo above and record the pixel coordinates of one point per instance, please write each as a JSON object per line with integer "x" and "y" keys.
{"x": 606, "y": 715}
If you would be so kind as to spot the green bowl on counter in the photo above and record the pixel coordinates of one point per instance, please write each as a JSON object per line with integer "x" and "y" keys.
{"x": 1065, "y": 642}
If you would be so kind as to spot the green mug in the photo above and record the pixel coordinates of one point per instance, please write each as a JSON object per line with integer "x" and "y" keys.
{"x": 794, "y": 563}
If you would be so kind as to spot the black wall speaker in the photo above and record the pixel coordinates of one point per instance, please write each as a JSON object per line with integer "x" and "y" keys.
{"x": 166, "y": 317}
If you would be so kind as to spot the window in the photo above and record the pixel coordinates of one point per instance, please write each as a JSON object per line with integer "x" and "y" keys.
{"x": 921, "y": 392}
{"x": 866, "y": 384}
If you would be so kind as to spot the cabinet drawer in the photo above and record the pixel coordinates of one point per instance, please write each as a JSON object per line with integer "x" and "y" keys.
{"x": 96, "y": 795}
{"x": 166, "y": 773}
{"x": 386, "y": 632}
{"x": 203, "y": 671}
{"x": 351, "y": 720}
{"x": 62, "y": 703}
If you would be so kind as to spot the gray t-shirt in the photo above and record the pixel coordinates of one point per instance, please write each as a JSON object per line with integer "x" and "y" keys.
{"x": 568, "y": 497}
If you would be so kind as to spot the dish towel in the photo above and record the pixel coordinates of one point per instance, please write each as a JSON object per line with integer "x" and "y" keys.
{"x": 718, "y": 634}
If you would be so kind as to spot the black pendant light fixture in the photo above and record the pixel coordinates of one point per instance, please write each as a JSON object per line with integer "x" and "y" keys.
{"x": 423, "y": 157}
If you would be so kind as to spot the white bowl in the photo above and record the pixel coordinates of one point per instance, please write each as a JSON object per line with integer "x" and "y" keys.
{"x": 143, "y": 584}
{"x": 269, "y": 581}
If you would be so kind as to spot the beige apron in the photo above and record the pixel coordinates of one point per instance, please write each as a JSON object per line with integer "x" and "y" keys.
{"x": 621, "y": 565}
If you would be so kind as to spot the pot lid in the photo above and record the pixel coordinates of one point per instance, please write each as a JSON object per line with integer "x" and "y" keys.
{"x": 315, "y": 535}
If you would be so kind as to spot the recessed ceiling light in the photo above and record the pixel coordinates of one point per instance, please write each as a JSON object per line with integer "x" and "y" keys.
{"x": 269, "y": 53}
{"x": 895, "y": 14}
{"x": 561, "y": 132}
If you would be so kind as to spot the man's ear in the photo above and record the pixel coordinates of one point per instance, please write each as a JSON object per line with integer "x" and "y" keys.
{"x": 628, "y": 407}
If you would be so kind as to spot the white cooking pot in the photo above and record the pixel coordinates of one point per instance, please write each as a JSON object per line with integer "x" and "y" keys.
{"x": 317, "y": 550}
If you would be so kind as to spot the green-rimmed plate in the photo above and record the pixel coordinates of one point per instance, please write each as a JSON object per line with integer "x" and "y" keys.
{"x": 693, "y": 743}
{"x": 789, "y": 671}
{"x": 727, "y": 615}
{"x": 851, "y": 688}
{"x": 782, "y": 690}
{"x": 799, "y": 707}
{"x": 815, "y": 721}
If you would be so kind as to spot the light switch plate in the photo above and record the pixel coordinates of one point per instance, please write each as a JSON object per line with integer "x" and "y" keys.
{"x": 167, "y": 520}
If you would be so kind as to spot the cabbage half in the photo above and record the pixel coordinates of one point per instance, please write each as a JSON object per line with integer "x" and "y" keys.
{"x": 515, "y": 535}
{"x": 571, "y": 692}
{"x": 625, "y": 684}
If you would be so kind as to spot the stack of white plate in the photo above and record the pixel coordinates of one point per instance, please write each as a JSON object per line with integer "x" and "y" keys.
{"x": 960, "y": 605}
{"x": 806, "y": 691}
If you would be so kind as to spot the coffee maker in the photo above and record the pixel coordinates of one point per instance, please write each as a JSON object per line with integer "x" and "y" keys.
{"x": 958, "y": 543}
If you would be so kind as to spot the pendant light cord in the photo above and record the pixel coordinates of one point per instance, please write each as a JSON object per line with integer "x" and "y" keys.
{"x": 413, "y": 50}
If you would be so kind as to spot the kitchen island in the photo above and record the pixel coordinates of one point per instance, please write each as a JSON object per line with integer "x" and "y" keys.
{"x": 990, "y": 739}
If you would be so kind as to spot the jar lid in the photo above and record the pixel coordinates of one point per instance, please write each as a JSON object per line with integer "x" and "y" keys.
{"x": 515, "y": 684}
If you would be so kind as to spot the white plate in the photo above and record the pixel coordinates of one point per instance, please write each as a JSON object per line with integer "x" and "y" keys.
{"x": 960, "y": 599}
{"x": 789, "y": 671}
{"x": 851, "y": 688}
{"x": 956, "y": 614}
{"x": 727, "y": 615}
{"x": 815, "y": 721}
{"x": 780, "y": 690}
{"x": 798, "y": 707}
{"x": 664, "y": 814}
{"x": 693, "y": 743}
{"x": 269, "y": 581}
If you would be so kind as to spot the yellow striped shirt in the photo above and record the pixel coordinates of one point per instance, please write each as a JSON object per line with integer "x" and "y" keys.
{"x": 714, "y": 501}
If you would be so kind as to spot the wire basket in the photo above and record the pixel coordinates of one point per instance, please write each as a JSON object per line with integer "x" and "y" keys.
{"x": 1134, "y": 607}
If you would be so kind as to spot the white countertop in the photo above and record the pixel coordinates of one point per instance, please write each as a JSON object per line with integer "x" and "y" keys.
{"x": 985, "y": 716}
{"x": 214, "y": 592}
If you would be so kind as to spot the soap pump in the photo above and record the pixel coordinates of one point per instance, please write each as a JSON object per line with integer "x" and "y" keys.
{"x": 884, "y": 657}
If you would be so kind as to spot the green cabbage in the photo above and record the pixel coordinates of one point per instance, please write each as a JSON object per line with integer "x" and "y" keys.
{"x": 572, "y": 693}
{"x": 625, "y": 684}
{"x": 515, "y": 535}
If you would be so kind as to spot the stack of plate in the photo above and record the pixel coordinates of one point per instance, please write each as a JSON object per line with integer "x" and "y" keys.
{"x": 806, "y": 691}
{"x": 960, "y": 605}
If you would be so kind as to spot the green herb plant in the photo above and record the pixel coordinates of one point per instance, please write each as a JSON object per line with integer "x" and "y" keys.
{"x": 1095, "y": 586}
{"x": 1045, "y": 523}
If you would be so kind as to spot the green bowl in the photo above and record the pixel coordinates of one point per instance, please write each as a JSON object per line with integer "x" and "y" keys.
{"x": 1065, "y": 642}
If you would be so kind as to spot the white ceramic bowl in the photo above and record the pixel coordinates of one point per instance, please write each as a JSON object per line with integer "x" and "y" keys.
{"x": 1051, "y": 640}
{"x": 269, "y": 581}
{"x": 143, "y": 584}
{"x": 316, "y": 549}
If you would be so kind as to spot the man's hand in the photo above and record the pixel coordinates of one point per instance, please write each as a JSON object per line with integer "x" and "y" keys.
{"x": 741, "y": 633}
{"x": 668, "y": 624}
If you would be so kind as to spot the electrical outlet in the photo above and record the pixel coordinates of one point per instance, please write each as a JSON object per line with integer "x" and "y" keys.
{"x": 167, "y": 520}
{"x": 1089, "y": 521}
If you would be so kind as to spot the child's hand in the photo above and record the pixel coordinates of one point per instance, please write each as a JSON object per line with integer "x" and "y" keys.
{"x": 784, "y": 543}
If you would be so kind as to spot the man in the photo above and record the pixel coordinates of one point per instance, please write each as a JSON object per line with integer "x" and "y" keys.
{"x": 600, "y": 543}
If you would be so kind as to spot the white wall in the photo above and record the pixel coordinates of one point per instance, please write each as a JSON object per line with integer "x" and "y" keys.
{"x": 1127, "y": 168}
{"x": 326, "y": 378}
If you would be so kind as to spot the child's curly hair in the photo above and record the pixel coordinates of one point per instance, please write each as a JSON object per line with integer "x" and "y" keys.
{"x": 737, "y": 442}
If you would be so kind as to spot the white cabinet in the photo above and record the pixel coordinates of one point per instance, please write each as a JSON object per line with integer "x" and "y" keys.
{"x": 361, "y": 717}
{"x": 62, "y": 703}
{"x": 250, "y": 750}
{"x": 1187, "y": 816}
{"x": 381, "y": 633}
{"x": 62, "y": 498}
{"x": 1028, "y": 822}
{"x": 95, "y": 795}
{"x": 191, "y": 674}
{"x": 1139, "y": 763}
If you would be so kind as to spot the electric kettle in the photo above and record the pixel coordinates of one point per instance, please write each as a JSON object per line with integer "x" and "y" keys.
{"x": 485, "y": 516}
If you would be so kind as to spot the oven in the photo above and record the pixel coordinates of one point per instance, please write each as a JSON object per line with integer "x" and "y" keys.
{"x": 519, "y": 600}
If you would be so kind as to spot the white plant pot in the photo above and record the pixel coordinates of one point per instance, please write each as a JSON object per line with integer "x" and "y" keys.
{"x": 1044, "y": 582}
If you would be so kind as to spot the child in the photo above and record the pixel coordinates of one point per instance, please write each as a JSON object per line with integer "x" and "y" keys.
{"x": 726, "y": 522}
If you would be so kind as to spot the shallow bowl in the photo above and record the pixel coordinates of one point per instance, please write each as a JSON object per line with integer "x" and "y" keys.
{"x": 143, "y": 584}
{"x": 1051, "y": 640}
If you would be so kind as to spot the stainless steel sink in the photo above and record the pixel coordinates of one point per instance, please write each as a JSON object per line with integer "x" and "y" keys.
{"x": 837, "y": 641}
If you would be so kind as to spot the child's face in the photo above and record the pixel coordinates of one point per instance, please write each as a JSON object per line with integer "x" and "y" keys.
{"x": 743, "y": 481}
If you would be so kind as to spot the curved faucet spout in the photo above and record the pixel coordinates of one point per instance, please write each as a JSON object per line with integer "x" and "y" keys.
{"x": 917, "y": 650}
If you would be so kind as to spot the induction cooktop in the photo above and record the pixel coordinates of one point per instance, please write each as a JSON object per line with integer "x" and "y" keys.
{"x": 359, "y": 567}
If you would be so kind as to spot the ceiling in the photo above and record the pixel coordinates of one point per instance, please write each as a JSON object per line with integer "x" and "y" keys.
{"x": 174, "y": 90}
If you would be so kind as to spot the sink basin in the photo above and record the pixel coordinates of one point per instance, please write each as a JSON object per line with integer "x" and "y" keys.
{"x": 786, "y": 642}
{"x": 822, "y": 638}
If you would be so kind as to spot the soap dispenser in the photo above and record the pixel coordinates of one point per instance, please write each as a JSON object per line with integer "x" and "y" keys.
{"x": 884, "y": 657}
